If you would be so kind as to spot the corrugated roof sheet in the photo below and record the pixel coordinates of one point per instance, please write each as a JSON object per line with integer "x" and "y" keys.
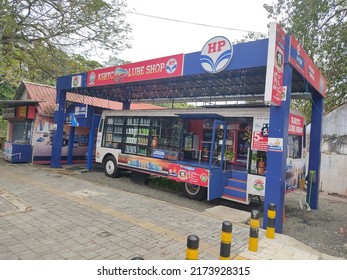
{"x": 47, "y": 94}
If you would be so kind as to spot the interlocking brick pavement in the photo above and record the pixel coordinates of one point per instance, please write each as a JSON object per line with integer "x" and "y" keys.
{"x": 58, "y": 216}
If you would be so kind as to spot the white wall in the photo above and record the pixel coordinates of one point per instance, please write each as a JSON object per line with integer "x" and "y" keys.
{"x": 334, "y": 151}
{"x": 334, "y": 174}
{"x": 334, "y": 123}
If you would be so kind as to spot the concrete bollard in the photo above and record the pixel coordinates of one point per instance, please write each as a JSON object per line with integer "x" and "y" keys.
{"x": 226, "y": 238}
{"x": 254, "y": 231}
{"x": 192, "y": 252}
{"x": 271, "y": 214}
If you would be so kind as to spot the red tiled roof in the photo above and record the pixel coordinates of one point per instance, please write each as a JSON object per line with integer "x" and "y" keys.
{"x": 47, "y": 94}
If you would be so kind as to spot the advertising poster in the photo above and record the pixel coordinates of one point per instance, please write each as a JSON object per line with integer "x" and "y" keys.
{"x": 260, "y": 133}
{"x": 76, "y": 81}
{"x": 43, "y": 138}
{"x": 256, "y": 184}
{"x": 296, "y": 125}
{"x": 21, "y": 112}
{"x": 275, "y": 144}
{"x": 275, "y": 65}
{"x": 295, "y": 172}
{"x": 8, "y": 112}
{"x": 8, "y": 151}
{"x": 188, "y": 174}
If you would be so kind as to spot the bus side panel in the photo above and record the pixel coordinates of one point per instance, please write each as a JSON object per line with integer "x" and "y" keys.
{"x": 102, "y": 152}
{"x": 189, "y": 174}
{"x": 141, "y": 163}
{"x": 99, "y": 153}
{"x": 164, "y": 168}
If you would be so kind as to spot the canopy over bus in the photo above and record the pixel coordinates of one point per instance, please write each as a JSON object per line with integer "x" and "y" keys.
{"x": 151, "y": 81}
{"x": 273, "y": 70}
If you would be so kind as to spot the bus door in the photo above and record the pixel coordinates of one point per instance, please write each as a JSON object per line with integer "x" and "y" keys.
{"x": 216, "y": 159}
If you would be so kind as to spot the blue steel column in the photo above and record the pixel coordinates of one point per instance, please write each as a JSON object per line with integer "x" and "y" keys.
{"x": 126, "y": 104}
{"x": 58, "y": 132}
{"x": 315, "y": 147}
{"x": 276, "y": 161}
{"x": 94, "y": 125}
{"x": 71, "y": 142}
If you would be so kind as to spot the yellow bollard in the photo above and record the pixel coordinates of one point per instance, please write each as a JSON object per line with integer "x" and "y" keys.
{"x": 192, "y": 252}
{"x": 253, "y": 239}
{"x": 254, "y": 231}
{"x": 226, "y": 238}
{"x": 271, "y": 214}
{"x": 255, "y": 222}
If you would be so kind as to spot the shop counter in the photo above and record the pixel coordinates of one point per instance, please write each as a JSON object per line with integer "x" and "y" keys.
{"x": 16, "y": 152}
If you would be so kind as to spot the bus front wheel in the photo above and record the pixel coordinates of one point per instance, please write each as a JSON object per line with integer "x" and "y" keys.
{"x": 195, "y": 192}
{"x": 111, "y": 167}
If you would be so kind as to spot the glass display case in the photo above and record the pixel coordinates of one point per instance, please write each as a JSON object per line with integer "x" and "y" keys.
{"x": 257, "y": 162}
{"x": 169, "y": 139}
{"x": 113, "y": 132}
{"x": 145, "y": 136}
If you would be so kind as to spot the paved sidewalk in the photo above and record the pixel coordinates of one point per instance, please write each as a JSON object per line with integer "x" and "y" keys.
{"x": 45, "y": 214}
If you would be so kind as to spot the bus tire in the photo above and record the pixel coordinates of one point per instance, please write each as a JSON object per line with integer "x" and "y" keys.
{"x": 194, "y": 191}
{"x": 111, "y": 167}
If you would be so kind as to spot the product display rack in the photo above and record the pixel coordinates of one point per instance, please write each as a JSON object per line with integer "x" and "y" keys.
{"x": 139, "y": 132}
{"x": 114, "y": 132}
{"x": 171, "y": 138}
{"x": 144, "y": 135}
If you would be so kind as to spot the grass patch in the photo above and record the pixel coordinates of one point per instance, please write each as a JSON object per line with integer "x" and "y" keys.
{"x": 163, "y": 183}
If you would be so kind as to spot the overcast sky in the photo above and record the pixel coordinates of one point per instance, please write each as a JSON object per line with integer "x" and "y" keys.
{"x": 154, "y": 38}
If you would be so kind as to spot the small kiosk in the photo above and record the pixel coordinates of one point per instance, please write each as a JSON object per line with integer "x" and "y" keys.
{"x": 22, "y": 115}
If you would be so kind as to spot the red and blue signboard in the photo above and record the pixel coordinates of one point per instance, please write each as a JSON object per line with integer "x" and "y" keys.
{"x": 189, "y": 174}
{"x": 165, "y": 67}
{"x": 275, "y": 65}
{"x": 300, "y": 60}
{"x": 296, "y": 124}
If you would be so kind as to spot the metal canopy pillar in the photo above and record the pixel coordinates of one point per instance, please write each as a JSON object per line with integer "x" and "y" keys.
{"x": 71, "y": 143}
{"x": 315, "y": 148}
{"x": 94, "y": 126}
{"x": 276, "y": 160}
{"x": 126, "y": 104}
{"x": 58, "y": 128}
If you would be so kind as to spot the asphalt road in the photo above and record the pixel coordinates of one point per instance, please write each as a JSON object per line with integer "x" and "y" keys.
{"x": 322, "y": 229}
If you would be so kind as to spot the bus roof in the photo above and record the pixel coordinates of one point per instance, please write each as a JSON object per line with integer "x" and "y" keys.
{"x": 193, "y": 113}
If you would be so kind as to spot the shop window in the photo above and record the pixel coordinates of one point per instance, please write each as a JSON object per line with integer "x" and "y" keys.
{"x": 294, "y": 146}
{"x": 22, "y": 132}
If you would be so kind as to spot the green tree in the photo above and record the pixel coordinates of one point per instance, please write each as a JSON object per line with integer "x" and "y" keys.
{"x": 113, "y": 61}
{"x": 175, "y": 105}
{"x": 6, "y": 91}
{"x": 321, "y": 28}
{"x": 39, "y": 38}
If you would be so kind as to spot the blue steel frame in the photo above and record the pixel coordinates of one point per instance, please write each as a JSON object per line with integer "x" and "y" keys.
{"x": 246, "y": 55}
{"x": 215, "y": 189}
{"x": 276, "y": 161}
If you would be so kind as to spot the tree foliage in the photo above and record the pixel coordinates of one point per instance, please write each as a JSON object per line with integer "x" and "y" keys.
{"x": 321, "y": 28}
{"x": 175, "y": 105}
{"x": 39, "y": 39}
{"x": 112, "y": 60}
